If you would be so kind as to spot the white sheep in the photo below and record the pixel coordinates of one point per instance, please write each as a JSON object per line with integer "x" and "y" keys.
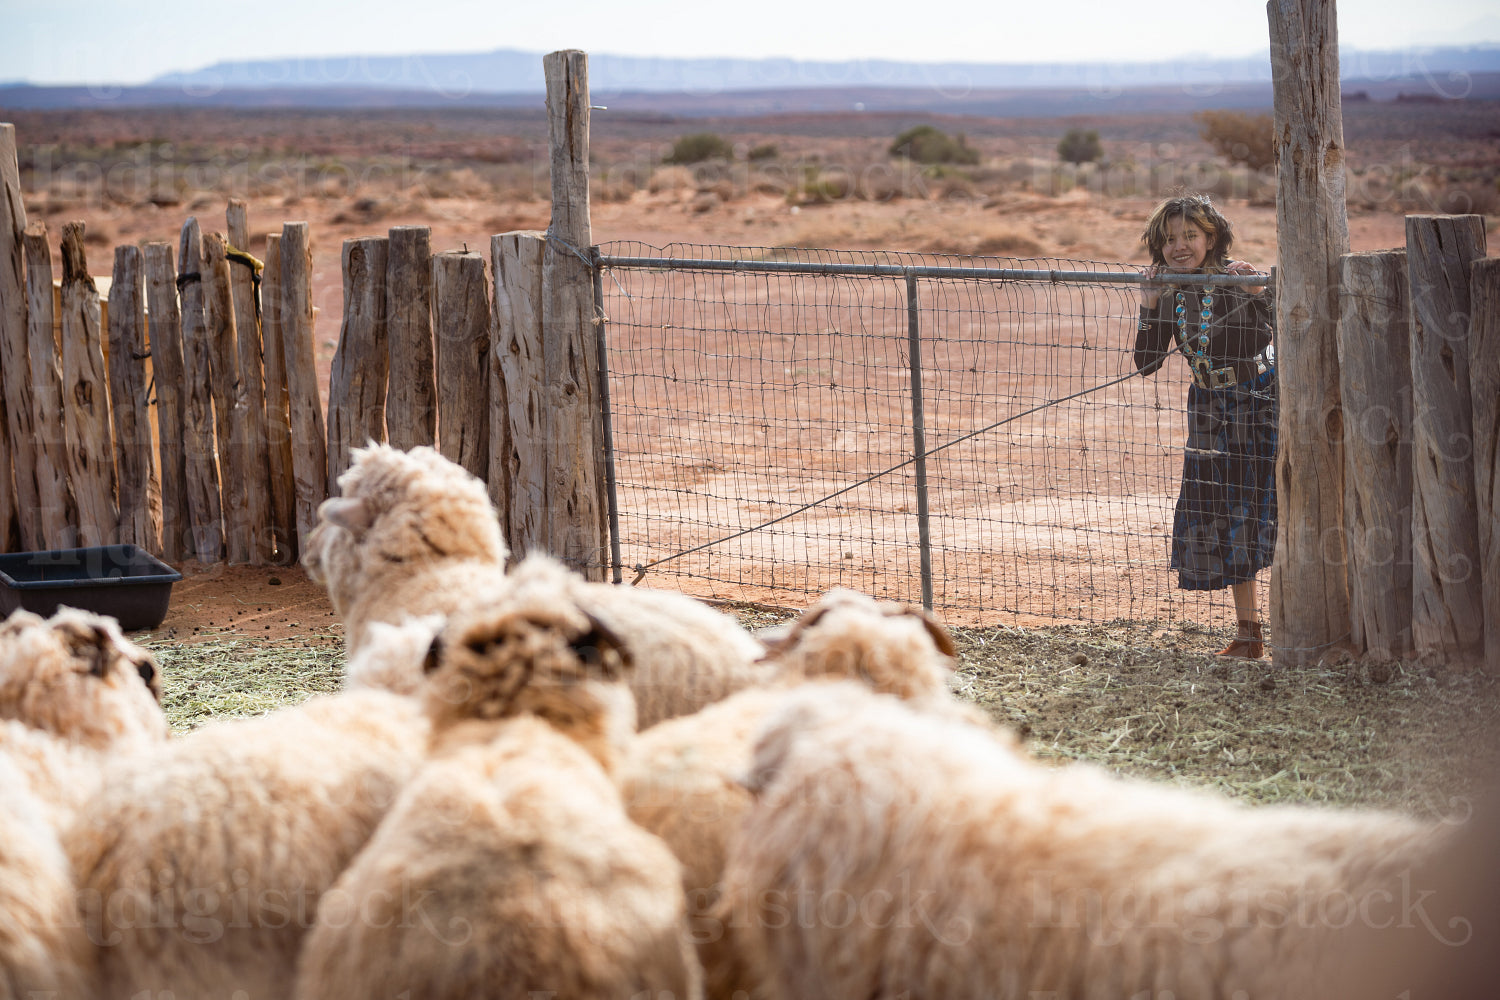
{"x": 200, "y": 864}
{"x": 412, "y": 535}
{"x": 508, "y": 868}
{"x": 681, "y": 779}
{"x": 893, "y": 853}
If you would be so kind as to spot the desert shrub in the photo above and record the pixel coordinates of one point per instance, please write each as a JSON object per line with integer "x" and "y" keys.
{"x": 820, "y": 188}
{"x": 1080, "y": 146}
{"x": 698, "y": 147}
{"x": 764, "y": 151}
{"x": 1238, "y": 137}
{"x": 926, "y": 144}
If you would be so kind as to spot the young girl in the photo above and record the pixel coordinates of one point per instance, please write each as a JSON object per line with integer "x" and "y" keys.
{"x": 1224, "y": 528}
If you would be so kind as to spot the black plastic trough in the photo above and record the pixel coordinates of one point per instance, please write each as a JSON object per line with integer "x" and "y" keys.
{"x": 123, "y": 581}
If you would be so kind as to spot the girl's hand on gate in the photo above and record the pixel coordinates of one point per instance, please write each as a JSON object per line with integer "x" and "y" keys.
{"x": 1150, "y": 290}
{"x": 1240, "y": 267}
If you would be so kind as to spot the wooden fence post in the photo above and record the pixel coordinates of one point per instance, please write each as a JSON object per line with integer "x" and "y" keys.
{"x": 207, "y": 525}
{"x": 166, "y": 363}
{"x": 59, "y": 512}
{"x": 19, "y": 430}
{"x": 356, "y": 386}
{"x": 461, "y": 322}
{"x": 1484, "y": 384}
{"x": 518, "y": 412}
{"x": 91, "y": 462}
{"x": 411, "y": 400}
{"x": 1375, "y": 385}
{"x": 1309, "y": 590}
{"x": 224, "y": 373}
{"x": 250, "y": 395}
{"x": 135, "y": 451}
{"x": 278, "y": 409}
{"x": 575, "y": 478}
{"x": 1447, "y": 604}
{"x": 309, "y": 448}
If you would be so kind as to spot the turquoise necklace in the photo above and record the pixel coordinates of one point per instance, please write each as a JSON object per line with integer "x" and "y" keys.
{"x": 1194, "y": 346}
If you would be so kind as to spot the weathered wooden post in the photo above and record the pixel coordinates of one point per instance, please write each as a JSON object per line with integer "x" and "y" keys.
{"x": 167, "y": 366}
{"x": 278, "y": 412}
{"x": 518, "y": 453}
{"x": 1309, "y": 591}
{"x": 199, "y": 461}
{"x": 18, "y": 435}
{"x": 575, "y": 523}
{"x": 1375, "y": 385}
{"x": 58, "y": 511}
{"x": 250, "y": 393}
{"x": 461, "y": 321}
{"x": 1484, "y": 385}
{"x": 91, "y": 461}
{"x": 224, "y": 372}
{"x": 1447, "y": 604}
{"x": 411, "y": 400}
{"x": 356, "y": 386}
{"x": 309, "y": 448}
{"x": 135, "y": 451}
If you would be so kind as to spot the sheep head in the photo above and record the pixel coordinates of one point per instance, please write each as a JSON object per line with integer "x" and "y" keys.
{"x": 536, "y": 657}
{"x": 75, "y": 675}
{"x": 399, "y": 509}
{"x": 895, "y": 648}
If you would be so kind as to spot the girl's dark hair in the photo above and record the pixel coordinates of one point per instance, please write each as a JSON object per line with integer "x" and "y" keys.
{"x": 1198, "y": 210}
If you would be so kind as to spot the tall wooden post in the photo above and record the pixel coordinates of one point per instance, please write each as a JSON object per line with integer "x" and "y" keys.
{"x": 250, "y": 393}
{"x": 135, "y": 451}
{"x": 309, "y": 446}
{"x": 91, "y": 460}
{"x": 1309, "y": 592}
{"x": 518, "y": 454}
{"x": 575, "y": 479}
{"x": 59, "y": 513}
{"x": 278, "y": 409}
{"x": 356, "y": 385}
{"x": 461, "y": 324}
{"x": 19, "y": 430}
{"x": 1447, "y": 605}
{"x": 411, "y": 400}
{"x": 199, "y": 459}
{"x": 1375, "y": 384}
{"x": 224, "y": 374}
{"x": 1484, "y": 384}
{"x": 167, "y": 366}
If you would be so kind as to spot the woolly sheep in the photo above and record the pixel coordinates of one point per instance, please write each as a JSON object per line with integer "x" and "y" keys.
{"x": 527, "y": 876}
{"x": 893, "y": 853}
{"x": 680, "y": 780}
{"x": 412, "y": 534}
{"x": 201, "y": 864}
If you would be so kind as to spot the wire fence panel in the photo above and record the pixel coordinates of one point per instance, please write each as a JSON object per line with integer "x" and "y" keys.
{"x": 763, "y": 431}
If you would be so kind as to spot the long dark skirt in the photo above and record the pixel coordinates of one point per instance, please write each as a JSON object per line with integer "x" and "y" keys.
{"x": 1224, "y": 530}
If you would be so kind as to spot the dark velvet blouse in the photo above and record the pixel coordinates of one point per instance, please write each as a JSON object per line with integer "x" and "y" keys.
{"x": 1239, "y": 327}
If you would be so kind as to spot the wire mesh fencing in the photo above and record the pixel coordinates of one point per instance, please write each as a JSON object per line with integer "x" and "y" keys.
{"x": 765, "y": 427}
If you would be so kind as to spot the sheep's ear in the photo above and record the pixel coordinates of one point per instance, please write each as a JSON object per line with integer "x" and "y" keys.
{"x": 434, "y": 657}
{"x": 779, "y": 638}
{"x": 146, "y": 667}
{"x": 352, "y": 514}
{"x": 600, "y": 639}
{"x": 940, "y": 635}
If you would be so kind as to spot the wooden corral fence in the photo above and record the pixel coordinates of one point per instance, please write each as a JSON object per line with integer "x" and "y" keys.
{"x": 213, "y": 355}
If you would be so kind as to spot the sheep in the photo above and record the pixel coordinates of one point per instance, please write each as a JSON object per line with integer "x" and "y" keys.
{"x": 412, "y": 534}
{"x": 680, "y": 780}
{"x": 528, "y": 878}
{"x": 201, "y": 863}
{"x": 890, "y": 852}
{"x": 43, "y": 949}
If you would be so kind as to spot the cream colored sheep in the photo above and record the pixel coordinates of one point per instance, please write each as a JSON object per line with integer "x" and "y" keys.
{"x": 412, "y": 534}
{"x": 43, "y": 948}
{"x": 76, "y": 676}
{"x": 201, "y": 864}
{"x": 681, "y": 778}
{"x": 892, "y": 853}
{"x": 508, "y": 868}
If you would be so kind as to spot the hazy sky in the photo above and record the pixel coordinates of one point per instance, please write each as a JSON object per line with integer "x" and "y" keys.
{"x": 68, "y": 41}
